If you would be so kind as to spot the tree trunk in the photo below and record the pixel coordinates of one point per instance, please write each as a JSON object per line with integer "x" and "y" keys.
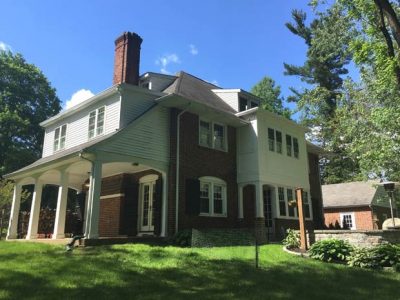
{"x": 390, "y": 14}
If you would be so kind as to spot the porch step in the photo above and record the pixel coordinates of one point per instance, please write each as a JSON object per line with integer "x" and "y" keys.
{"x": 149, "y": 240}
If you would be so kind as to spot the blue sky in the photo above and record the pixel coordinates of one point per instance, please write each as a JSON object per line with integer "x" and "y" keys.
{"x": 231, "y": 42}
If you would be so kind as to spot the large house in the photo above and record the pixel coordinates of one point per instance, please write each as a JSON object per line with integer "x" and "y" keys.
{"x": 359, "y": 205}
{"x": 155, "y": 154}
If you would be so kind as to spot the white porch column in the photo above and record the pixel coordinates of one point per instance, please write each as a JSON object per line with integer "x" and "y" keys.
{"x": 35, "y": 211}
{"x": 164, "y": 209}
{"x": 59, "y": 223}
{"x": 240, "y": 201}
{"x": 93, "y": 209}
{"x": 13, "y": 223}
{"x": 259, "y": 200}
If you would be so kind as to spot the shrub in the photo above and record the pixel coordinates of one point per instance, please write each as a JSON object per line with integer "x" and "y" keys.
{"x": 292, "y": 239}
{"x": 331, "y": 250}
{"x": 182, "y": 238}
{"x": 385, "y": 255}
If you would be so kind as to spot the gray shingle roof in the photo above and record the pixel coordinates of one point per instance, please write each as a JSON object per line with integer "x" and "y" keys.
{"x": 198, "y": 90}
{"x": 360, "y": 193}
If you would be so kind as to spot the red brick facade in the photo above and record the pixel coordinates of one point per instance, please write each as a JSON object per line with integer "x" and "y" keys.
{"x": 365, "y": 217}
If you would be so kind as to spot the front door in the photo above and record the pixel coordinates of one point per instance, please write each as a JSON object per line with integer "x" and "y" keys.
{"x": 147, "y": 199}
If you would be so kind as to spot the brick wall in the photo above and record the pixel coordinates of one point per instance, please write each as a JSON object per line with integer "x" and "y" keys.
{"x": 362, "y": 216}
{"x": 109, "y": 218}
{"x": 197, "y": 161}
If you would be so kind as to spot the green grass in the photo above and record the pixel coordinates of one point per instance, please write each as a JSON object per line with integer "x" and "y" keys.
{"x": 39, "y": 271}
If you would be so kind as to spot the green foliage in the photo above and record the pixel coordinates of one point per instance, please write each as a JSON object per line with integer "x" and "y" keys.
{"x": 183, "y": 238}
{"x": 385, "y": 255}
{"x": 292, "y": 239}
{"x": 26, "y": 99}
{"x": 331, "y": 250}
{"x": 271, "y": 96}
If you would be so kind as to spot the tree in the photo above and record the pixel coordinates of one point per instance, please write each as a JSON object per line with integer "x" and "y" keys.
{"x": 271, "y": 96}
{"x": 327, "y": 38}
{"x": 26, "y": 99}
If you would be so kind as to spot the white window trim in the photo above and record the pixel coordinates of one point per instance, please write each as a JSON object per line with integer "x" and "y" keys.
{"x": 353, "y": 219}
{"x": 95, "y": 122}
{"x": 59, "y": 138}
{"x": 212, "y": 135}
{"x": 217, "y": 181}
{"x": 287, "y": 217}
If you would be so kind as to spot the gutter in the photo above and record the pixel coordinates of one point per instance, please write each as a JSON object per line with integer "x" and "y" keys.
{"x": 178, "y": 126}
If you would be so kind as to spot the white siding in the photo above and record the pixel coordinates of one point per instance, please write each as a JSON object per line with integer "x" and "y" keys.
{"x": 247, "y": 153}
{"x": 147, "y": 137}
{"x": 133, "y": 105}
{"x": 77, "y": 124}
{"x": 231, "y": 98}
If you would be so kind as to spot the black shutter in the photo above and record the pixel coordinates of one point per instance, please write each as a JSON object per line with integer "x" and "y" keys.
{"x": 192, "y": 196}
{"x": 80, "y": 205}
{"x": 157, "y": 207}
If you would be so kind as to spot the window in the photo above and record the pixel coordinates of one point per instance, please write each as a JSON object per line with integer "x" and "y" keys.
{"x": 306, "y": 205}
{"x": 96, "y": 122}
{"x": 296, "y": 148}
{"x": 292, "y": 208}
{"x": 205, "y": 134}
{"x": 59, "y": 137}
{"x": 242, "y": 104}
{"x": 271, "y": 139}
{"x": 278, "y": 141}
{"x": 282, "y": 202}
{"x": 212, "y": 196}
{"x": 253, "y": 104}
{"x": 347, "y": 219}
{"x": 212, "y": 135}
{"x": 288, "y": 145}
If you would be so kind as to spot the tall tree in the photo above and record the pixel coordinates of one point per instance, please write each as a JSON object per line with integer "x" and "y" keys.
{"x": 327, "y": 38}
{"x": 270, "y": 93}
{"x": 26, "y": 99}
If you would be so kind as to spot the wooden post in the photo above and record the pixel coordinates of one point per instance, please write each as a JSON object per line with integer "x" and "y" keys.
{"x": 303, "y": 236}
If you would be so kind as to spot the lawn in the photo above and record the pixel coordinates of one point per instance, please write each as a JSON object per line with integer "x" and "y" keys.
{"x": 39, "y": 271}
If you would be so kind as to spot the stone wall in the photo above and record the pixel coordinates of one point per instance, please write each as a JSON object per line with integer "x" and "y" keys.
{"x": 359, "y": 238}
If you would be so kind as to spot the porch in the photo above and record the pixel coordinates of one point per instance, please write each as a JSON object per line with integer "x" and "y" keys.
{"x": 122, "y": 197}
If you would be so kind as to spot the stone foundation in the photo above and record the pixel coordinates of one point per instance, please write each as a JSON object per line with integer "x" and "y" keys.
{"x": 358, "y": 238}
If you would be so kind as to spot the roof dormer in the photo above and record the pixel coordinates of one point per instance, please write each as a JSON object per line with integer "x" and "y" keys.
{"x": 238, "y": 99}
{"x": 155, "y": 81}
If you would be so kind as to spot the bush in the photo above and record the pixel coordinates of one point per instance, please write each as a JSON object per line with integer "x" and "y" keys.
{"x": 182, "y": 238}
{"x": 385, "y": 255}
{"x": 331, "y": 250}
{"x": 292, "y": 239}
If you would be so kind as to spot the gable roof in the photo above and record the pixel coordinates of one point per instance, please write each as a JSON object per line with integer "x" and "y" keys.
{"x": 196, "y": 89}
{"x": 350, "y": 194}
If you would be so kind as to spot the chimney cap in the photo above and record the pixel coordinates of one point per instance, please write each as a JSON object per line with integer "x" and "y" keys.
{"x": 127, "y": 35}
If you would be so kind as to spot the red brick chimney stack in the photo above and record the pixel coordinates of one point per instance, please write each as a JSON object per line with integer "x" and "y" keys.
{"x": 127, "y": 58}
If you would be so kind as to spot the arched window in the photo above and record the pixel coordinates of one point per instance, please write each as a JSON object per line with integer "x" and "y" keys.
{"x": 212, "y": 197}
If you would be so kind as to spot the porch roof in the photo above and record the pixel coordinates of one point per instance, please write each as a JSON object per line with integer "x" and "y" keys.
{"x": 58, "y": 156}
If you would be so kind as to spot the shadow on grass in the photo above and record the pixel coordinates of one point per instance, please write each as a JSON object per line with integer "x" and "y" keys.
{"x": 154, "y": 273}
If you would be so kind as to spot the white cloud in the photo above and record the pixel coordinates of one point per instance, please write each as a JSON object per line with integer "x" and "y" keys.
{"x": 193, "y": 50}
{"x": 78, "y": 97}
{"x": 5, "y": 47}
{"x": 166, "y": 60}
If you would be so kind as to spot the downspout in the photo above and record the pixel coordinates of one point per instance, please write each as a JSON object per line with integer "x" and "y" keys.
{"x": 178, "y": 121}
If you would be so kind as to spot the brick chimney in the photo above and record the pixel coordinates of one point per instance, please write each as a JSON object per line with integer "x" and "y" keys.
{"x": 127, "y": 58}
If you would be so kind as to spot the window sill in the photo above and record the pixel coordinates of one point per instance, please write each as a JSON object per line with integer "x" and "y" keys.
{"x": 213, "y": 215}
{"x": 208, "y": 147}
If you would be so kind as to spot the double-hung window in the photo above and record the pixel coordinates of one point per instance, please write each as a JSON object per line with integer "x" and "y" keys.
{"x": 292, "y": 208}
{"x": 288, "y": 145}
{"x": 278, "y": 141}
{"x": 271, "y": 139}
{"x": 59, "y": 137}
{"x": 212, "y": 197}
{"x": 96, "y": 122}
{"x": 212, "y": 135}
{"x": 306, "y": 205}
{"x": 347, "y": 220}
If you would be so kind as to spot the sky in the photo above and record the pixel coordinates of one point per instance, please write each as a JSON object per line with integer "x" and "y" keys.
{"x": 232, "y": 43}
